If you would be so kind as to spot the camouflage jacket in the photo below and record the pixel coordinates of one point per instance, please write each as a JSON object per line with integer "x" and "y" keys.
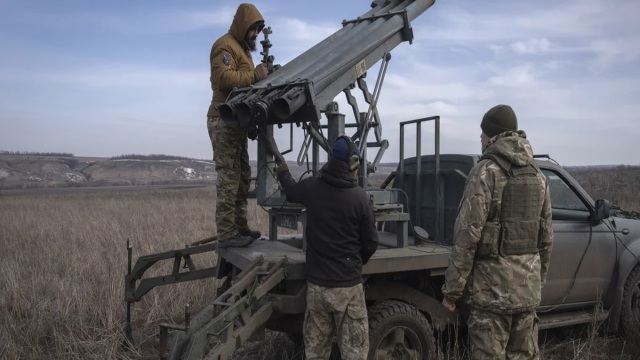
{"x": 497, "y": 283}
{"x": 230, "y": 58}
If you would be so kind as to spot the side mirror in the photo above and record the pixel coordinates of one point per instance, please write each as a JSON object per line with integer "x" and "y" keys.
{"x": 603, "y": 210}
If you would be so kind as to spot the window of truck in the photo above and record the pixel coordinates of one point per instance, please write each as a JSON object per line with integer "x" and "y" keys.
{"x": 565, "y": 203}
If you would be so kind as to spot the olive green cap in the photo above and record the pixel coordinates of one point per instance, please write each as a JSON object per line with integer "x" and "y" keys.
{"x": 499, "y": 119}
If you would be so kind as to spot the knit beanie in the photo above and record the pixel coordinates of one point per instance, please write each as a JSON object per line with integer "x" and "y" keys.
{"x": 340, "y": 150}
{"x": 499, "y": 119}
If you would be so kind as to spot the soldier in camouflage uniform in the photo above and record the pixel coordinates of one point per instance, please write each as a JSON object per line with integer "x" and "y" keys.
{"x": 341, "y": 237}
{"x": 232, "y": 66}
{"x": 502, "y": 243}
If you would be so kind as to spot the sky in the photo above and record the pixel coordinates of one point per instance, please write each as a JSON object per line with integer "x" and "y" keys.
{"x": 107, "y": 78}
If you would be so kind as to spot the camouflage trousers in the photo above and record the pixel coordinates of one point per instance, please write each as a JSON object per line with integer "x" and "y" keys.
{"x": 336, "y": 314}
{"x": 230, "y": 154}
{"x": 503, "y": 336}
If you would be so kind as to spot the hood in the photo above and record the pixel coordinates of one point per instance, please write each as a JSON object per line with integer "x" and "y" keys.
{"x": 336, "y": 173}
{"x": 246, "y": 15}
{"x": 512, "y": 146}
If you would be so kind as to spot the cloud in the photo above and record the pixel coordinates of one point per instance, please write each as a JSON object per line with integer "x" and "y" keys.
{"x": 294, "y": 36}
{"x": 126, "y": 76}
{"x": 612, "y": 51}
{"x": 532, "y": 46}
{"x": 515, "y": 77}
{"x": 134, "y": 78}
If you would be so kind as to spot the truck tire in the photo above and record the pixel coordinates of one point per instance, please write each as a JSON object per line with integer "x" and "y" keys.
{"x": 631, "y": 305}
{"x": 399, "y": 331}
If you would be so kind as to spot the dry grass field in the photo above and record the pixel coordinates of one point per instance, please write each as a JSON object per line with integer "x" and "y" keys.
{"x": 620, "y": 185}
{"x": 63, "y": 265}
{"x": 64, "y": 260}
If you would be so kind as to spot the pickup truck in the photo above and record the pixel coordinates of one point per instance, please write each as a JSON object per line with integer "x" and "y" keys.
{"x": 594, "y": 273}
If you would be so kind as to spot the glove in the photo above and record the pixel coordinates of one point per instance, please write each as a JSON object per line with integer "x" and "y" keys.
{"x": 252, "y": 133}
{"x": 273, "y": 68}
{"x": 261, "y": 72}
{"x": 282, "y": 167}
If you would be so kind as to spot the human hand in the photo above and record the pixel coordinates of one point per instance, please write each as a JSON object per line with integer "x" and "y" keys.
{"x": 281, "y": 167}
{"x": 273, "y": 68}
{"x": 261, "y": 72}
{"x": 447, "y": 305}
{"x": 252, "y": 133}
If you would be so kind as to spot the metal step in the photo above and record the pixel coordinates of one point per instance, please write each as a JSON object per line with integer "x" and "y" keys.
{"x": 549, "y": 321}
{"x": 218, "y": 330}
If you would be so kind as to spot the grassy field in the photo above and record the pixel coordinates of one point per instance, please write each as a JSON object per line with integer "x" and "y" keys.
{"x": 63, "y": 265}
{"x": 64, "y": 260}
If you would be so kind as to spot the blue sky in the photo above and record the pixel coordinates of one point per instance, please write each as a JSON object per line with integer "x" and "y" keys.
{"x": 105, "y": 78}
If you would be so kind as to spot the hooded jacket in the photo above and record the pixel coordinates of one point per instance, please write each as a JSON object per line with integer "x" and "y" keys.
{"x": 341, "y": 233}
{"x": 497, "y": 283}
{"x": 230, "y": 58}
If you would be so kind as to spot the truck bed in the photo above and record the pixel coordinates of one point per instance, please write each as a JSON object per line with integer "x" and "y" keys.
{"x": 387, "y": 259}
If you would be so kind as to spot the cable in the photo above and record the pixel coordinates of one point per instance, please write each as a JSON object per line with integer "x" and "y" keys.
{"x": 273, "y": 175}
{"x": 575, "y": 275}
{"x": 621, "y": 242}
{"x": 266, "y": 166}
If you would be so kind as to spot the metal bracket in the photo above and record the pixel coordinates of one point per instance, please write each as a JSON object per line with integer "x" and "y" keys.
{"x": 134, "y": 293}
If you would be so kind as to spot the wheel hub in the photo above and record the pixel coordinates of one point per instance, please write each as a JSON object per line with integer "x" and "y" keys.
{"x": 399, "y": 343}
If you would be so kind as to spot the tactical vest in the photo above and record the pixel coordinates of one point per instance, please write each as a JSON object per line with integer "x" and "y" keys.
{"x": 516, "y": 227}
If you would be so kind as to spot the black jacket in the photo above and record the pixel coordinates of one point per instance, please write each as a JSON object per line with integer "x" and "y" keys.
{"x": 341, "y": 233}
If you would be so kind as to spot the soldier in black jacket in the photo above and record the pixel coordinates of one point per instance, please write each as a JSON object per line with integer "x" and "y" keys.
{"x": 341, "y": 237}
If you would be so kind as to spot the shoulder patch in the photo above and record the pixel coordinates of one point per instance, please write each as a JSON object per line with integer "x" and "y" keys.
{"x": 226, "y": 59}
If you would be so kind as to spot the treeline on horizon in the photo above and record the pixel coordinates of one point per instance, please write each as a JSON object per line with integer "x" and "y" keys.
{"x": 118, "y": 157}
{"x": 173, "y": 157}
{"x": 32, "y": 153}
{"x": 600, "y": 167}
{"x": 149, "y": 157}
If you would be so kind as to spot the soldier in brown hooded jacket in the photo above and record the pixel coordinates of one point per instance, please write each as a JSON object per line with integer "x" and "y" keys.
{"x": 232, "y": 66}
{"x": 502, "y": 243}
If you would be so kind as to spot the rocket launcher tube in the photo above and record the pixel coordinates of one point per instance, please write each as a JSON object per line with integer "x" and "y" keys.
{"x": 227, "y": 111}
{"x": 290, "y": 102}
{"x": 243, "y": 109}
{"x": 296, "y": 69}
{"x": 339, "y": 60}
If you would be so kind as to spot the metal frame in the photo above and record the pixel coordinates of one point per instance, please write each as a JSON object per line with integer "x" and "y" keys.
{"x": 232, "y": 318}
{"x": 437, "y": 190}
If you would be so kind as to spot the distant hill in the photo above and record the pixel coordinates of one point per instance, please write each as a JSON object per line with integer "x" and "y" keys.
{"x": 28, "y": 171}
{"x": 34, "y": 170}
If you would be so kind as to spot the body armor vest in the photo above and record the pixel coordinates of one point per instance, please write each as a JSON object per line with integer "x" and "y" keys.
{"x": 516, "y": 226}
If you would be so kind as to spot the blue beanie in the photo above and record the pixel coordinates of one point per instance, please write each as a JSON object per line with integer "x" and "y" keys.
{"x": 340, "y": 150}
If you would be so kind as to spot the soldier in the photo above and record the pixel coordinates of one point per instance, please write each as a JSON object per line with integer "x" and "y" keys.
{"x": 232, "y": 66}
{"x": 502, "y": 243}
{"x": 341, "y": 237}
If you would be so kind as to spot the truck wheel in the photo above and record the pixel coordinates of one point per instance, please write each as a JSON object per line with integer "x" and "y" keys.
{"x": 631, "y": 305}
{"x": 399, "y": 331}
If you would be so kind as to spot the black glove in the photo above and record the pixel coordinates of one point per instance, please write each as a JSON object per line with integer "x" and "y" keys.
{"x": 252, "y": 133}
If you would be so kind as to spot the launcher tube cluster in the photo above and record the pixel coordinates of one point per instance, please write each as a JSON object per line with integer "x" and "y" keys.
{"x": 299, "y": 90}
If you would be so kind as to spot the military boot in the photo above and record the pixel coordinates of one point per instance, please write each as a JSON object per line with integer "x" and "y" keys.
{"x": 236, "y": 241}
{"x": 255, "y": 234}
